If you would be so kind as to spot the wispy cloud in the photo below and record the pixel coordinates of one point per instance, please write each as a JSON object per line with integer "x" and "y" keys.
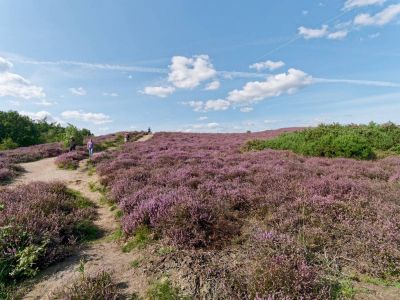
{"x": 80, "y": 91}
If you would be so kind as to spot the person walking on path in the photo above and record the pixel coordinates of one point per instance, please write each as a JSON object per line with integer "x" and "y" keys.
{"x": 90, "y": 147}
{"x": 126, "y": 137}
{"x": 72, "y": 145}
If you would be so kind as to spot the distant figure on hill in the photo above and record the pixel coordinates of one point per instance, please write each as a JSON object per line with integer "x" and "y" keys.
{"x": 90, "y": 147}
{"x": 72, "y": 144}
{"x": 149, "y": 131}
{"x": 126, "y": 137}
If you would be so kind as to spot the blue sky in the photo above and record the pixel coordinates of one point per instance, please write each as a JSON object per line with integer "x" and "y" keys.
{"x": 218, "y": 66}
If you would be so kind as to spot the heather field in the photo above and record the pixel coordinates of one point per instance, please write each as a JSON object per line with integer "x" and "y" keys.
{"x": 261, "y": 224}
{"x": 40, "y": 224}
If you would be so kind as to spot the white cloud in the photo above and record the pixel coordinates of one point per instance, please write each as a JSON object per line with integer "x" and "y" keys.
{"x": 350, "y": 4}
{"x": 214, "y": 85}
{"x": 45, "y": 102}
{"x": 246, "y": 109}
{"x": 338, "y": 35}
{"x": 203, "y": 118}
{"x": 80, "y": 91}
{"x": 269, "y": 64}
{"x": 205, "y": 126}
{"x": 188, "y": 73}
{"x": 374, "y": 35}
{"x": 14, "y": 85}
{"x": 219, "y": 104}
{"x": 40, "y": 115}
{"x": 95, "y": 118}
{"x": 5, "y": 65}
{"x": 196, "y": 105}
{"x": 310, "y": 33}
{"x": 304, "y": 12}
{"x": 382, "y": 18}
{"x": 209, "y": 105}
{"x": 110, "y": 94}
{"x": 273, "y": 86}
{"x": 270, "y": 121}
{"x": 158, "y": 91}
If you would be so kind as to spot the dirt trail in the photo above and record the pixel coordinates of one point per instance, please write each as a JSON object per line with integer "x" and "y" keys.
{"x": 103, "y": 254}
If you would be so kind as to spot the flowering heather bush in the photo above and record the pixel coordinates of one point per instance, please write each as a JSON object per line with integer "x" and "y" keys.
{"x": 39, "y": 224}
{"x": 315, "y": 216}
{"x": 70, "y": 160}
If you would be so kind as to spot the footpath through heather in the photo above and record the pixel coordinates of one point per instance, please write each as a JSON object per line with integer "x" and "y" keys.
{"x": 102, "y": 254}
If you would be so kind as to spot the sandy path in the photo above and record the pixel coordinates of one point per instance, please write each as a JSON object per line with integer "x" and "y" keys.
{"x": 103, "y": 254}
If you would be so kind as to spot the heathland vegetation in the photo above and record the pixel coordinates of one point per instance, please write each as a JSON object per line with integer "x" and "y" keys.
{"x": 311, "y": 221}
{"x": 350, "y": 141}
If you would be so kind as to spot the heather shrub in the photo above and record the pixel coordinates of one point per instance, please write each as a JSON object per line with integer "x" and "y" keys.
{"x": 39, "y": 224}
{"x": 351, "y": 141}
{"x": 70, "y": 160}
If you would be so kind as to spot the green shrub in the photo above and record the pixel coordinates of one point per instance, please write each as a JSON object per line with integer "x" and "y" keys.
{"x": 8, "y": 144}
{"x": 350, "y": 141}
{"x": 164, "y": 290}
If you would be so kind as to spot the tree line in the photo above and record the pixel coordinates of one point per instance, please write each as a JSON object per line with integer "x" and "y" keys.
{"x": 17, "y": 130}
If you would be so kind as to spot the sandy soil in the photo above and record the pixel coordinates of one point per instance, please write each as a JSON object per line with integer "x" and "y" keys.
{"x": 103, "y": 254}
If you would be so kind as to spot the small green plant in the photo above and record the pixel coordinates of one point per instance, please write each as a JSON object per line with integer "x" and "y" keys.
{"x": 165, "y": 250}
{"x": 141, "y": 238}
{"x": 80, "y": 200}
{"x": 164, "y": 290}
{"x": 116, "y": 235}
{"x": 26, "y": 260}
{"x": 87, "y": 231}
{"x": 135, "y": 263}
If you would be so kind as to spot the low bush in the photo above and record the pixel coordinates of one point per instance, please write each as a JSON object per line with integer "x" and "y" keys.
{"x": 40, "y": 223}
{"x": 99, "y": 286}
{"x": 70, "y": 160}
{"x": 351, "y": 141}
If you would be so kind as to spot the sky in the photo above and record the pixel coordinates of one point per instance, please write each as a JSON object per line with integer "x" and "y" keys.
{"x": 200, "y": 66}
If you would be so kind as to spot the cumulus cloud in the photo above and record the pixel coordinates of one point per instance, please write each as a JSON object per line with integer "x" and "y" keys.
{"x": 350, "y": 4}
{"x": 214, "y": 85}
{"x": 188, "y": 73}
{"x": 95, "y": 118}
{"x": 38, "y": 116}
{"x": 80, "y": 91}
{"x": 382, "y": 18}
{"x": 273, "y": 86}
{"x": 246, "y": 109}
{"x": 158, "y": 91}
{"x": 219, "y": 104}
{"x": 310, "y": 33}
{"x": 337, "y": 35}
{"x": 195, "y": 105}
{"x": 14, "y": 85}
{"x": 269, "y": 64}
{"x": 210, "y": 105}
